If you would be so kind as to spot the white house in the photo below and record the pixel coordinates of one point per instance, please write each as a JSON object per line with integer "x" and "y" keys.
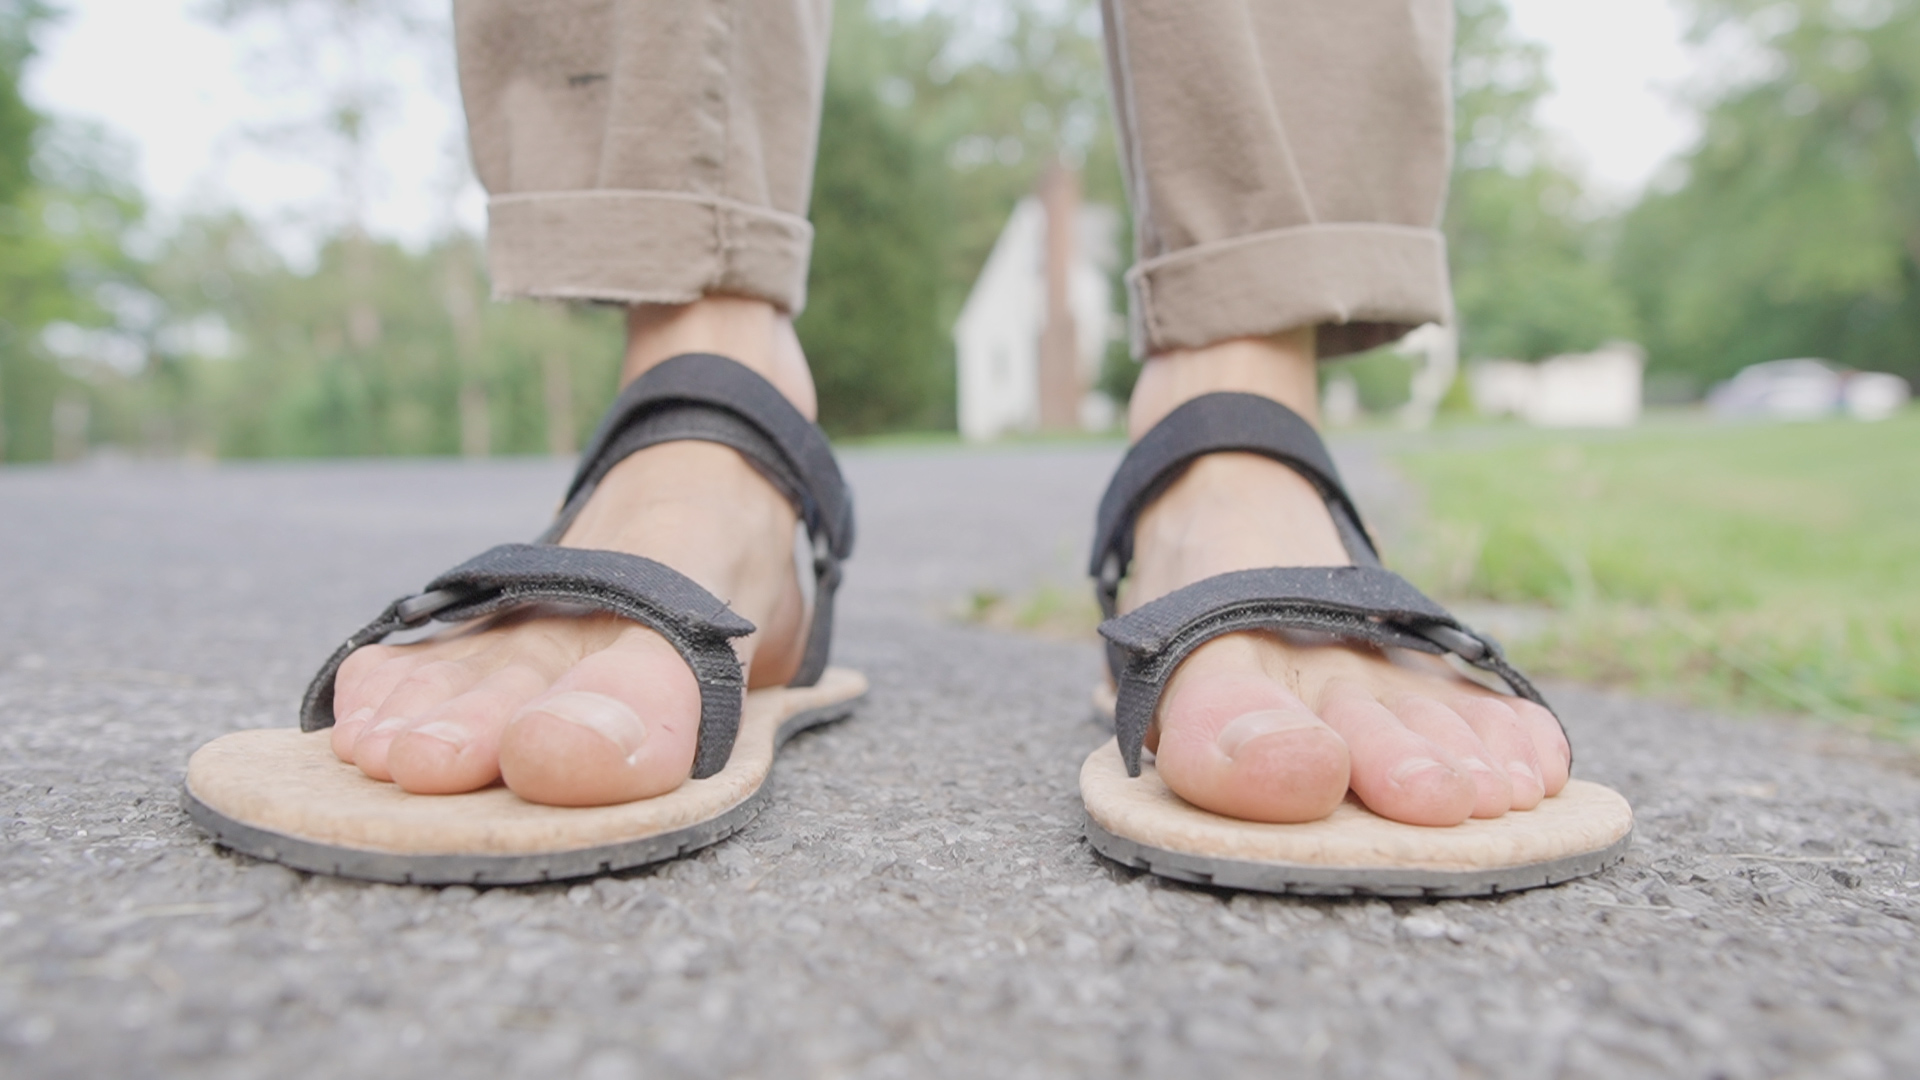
{"x": 1596, "y": 389}
{"x": 997, "y": 337}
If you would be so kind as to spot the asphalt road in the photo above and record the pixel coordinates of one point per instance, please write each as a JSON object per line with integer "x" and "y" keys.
{"x": 918, "y": 900}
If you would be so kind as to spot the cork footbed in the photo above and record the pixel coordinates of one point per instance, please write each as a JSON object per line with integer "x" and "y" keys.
{"x": 1137, "y": 820}
{"x": 256, "y": 788}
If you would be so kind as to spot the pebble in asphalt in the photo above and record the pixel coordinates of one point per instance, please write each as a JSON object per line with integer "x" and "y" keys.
{"x": 917, "y": 901}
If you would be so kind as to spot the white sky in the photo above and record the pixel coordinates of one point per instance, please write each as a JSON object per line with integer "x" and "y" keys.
{"x": 186, "y": 97}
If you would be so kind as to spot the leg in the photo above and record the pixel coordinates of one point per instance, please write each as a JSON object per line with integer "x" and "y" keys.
{"x": 656, "y": 154}
{"x": 1317, "y": 179}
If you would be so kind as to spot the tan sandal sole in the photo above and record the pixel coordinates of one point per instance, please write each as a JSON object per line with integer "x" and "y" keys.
{"x": 1137, "y": 821}
{"x": 280, "y": 794}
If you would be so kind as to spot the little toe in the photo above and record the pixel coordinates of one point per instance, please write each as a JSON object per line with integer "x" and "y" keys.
{"x": 1550, "y": 747}
{"x": 1399, "y": 774}
{"x": 1512, "y": 750}
{"x": 424, "y": 689}
{"x": 346, "y": 732}
{"x": 620, "y": 725}
{"x": 1493, "y": 785}
{"x": 364, "y": 680}
{"x": 456, "y": 747}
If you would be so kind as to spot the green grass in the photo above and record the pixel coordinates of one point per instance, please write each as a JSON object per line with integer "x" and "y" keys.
{"x": 1766, "y": 565}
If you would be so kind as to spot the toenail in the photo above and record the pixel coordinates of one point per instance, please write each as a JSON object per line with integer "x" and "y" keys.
{"x": 1248, "y": 726}
{"x": 1411, "y": 768}
{"x": 452, "y": 734}
{"x": 1474, "y": 764}
{"x": 1525, "y": 771}
{"x": 597, "y": 712}
{"x": 358, "y": 716}
{"x": 390, "y": 724}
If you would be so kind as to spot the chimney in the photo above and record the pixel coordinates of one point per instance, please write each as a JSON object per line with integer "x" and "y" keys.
{"x": 1060, "y": 388}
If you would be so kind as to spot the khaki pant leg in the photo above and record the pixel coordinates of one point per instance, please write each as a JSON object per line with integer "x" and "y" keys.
{"x": 1287, "y": 163}
{"x": 645, "y": 151}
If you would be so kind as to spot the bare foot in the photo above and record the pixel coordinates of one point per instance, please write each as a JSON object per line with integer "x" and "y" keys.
{"x": 580, "y": 710}
{"x": 1274, "y": 727}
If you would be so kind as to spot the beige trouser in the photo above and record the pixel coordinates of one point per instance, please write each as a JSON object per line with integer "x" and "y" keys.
{"x": 1286, "y": 159}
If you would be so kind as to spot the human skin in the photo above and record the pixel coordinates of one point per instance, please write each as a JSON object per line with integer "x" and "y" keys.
{"x": 588, "y": 710}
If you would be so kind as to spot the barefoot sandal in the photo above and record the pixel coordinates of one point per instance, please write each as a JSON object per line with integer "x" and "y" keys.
{"x": 1134, "y": 819}
{"x": 282, "y": 795}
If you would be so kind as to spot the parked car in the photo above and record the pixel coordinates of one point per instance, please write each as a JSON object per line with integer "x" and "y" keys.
{"x": 1808, "y": 389}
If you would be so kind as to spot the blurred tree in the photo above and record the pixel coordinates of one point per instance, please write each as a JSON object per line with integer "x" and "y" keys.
{"x": 27, "y": 263}
{"x": 1793, "y": 226}
{"x": 275, "y": 372}
{"x": 935, "y": 125}
{"x": 1530, "y": 274}
{"x": 65, "y": 210}
{"x": 872, "y": 329}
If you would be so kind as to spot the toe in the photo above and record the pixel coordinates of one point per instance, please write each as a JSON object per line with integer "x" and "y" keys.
{"x": 1549, "y": 744}
{"x": 1234, "y": 741}
{"x": 1508, "y": 744}
{"x": 456, "y": 747}
{"x": 424, "y": 689}
{"x": 1399, "y": 774}
{"x": 1492, "y": 785}
{"x": 364, "y": 680}
{"x": 346, "y": 732}
{"x": 620, "y": 725}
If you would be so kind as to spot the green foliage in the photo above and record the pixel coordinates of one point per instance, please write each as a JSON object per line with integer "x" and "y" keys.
{"x": 65, "y": 214}
{"x": 1766, "y": 564}
{"x": 368, "y": 353}
{"x": 873, "y": 329}
{"x": 18, "y": 121}
{"x": 1384, "y": 378}
{"x": 1529, "y": 269}
{"x": 934, "y": 126}
{"x": 1793, "y": 227}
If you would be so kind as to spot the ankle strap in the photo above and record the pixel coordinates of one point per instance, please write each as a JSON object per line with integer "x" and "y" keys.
{"x": 709, "y": 398}
{"x": 1211, "y": 424}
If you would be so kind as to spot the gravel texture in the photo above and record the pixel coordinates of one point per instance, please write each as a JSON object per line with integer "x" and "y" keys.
{"x": 918, "y": 900}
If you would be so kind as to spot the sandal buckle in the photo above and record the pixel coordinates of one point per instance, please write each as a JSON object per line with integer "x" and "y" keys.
{"x": 418, "y": 609}
{"x": 1468, "y": 645}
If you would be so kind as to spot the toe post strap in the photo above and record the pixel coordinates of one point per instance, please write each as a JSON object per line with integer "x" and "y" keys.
{"x": 698, "y": 625}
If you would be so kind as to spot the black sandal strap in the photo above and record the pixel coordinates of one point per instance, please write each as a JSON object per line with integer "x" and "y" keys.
{"x": 710, "y": 398}
{"x": 697, "y": 623}
{"x": 1211, "y": 424}
{"x": 1363, "y": 602}
{"x": 693, "y": 396}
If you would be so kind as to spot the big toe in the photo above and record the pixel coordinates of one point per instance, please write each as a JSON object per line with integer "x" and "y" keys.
{"x": 1242, "y": 745}
{"x": 621, "y": 725}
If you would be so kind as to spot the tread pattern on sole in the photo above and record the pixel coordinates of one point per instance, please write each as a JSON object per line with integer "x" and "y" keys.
{"x": 1299, "y": 880}
{"x": 499, "y": 869}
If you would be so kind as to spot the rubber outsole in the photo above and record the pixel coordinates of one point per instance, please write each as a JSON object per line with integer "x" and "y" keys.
{"x": 1300, "y": 880}
{"x": 459, "y": 869}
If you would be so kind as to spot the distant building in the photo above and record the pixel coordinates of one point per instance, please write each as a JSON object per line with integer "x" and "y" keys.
{"x": 1011, "y": 380}
{"x": 1596, "y": 389}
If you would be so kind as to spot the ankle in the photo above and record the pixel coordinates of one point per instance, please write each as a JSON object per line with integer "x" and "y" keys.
{"x": 1281, "y": 367}
{"x": 752, "y": 332}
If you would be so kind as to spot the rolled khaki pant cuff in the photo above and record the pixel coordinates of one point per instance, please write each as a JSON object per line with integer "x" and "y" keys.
{"x": 1309, "y": 275}
{"x": 645, "y": 247}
